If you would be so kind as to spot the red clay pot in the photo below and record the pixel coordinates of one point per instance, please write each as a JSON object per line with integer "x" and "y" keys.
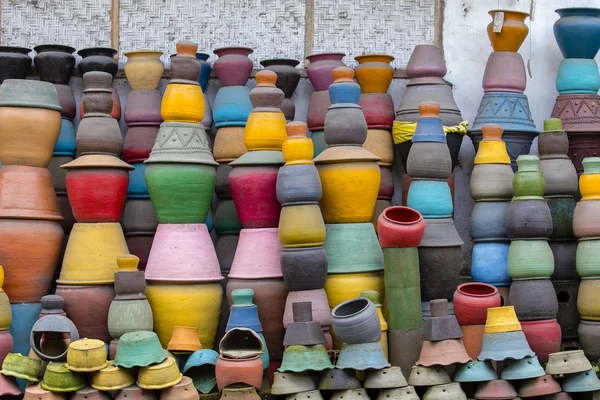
{"x": 317, "y": 108}
{"x": 253, "y": 190}
{"x": 246, "y": 370}
{"x": 400, "y": 226}
{"x": 544, "y": 337}
{"x": 471, "y": 301}
{"x": 138, "y": 142}
{"x": 378, "y": 109}
{"x": 6, "y": 344}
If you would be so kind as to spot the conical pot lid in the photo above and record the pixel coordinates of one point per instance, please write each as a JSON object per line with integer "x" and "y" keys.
{"x": 475, "y": 371}
{"x": 428, "y": 376}
{"x": 450, "y": 391}
{"x": 291, "y": 382}
{"x": 350, "y": 394}
{"x": 182, "y": 142}
{"x": 504, "y": 345}
{"x": 541, "y": 386}
{"x": 29, "y": 93}
{"x": 581, "y": 382}
{"x": 97, "y": 161}
{"x": 405, "y": 393}
{"x": 339, "y": 154}
{"x": 259, "y": 157}
{"x": 339, "y": 379}
{"x": 528, "y": 367}
{"x": 567, "y": 362}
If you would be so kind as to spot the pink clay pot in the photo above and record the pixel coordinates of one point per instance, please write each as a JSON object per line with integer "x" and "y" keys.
{"x": 183, "y": 253}
{"x": 253, "y": 189}
{"x": 378, "y": 109}
{"x": 143, "y": 108}
{"x": 317, "y": 108}
{"x": 320, "y": 306}
{"x": 320, "y": 68}
{"x": 257, "y": 255}
{"x": 505, "y": 72}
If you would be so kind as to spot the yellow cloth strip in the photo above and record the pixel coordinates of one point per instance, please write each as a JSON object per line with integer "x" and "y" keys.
{"x": 404, "y": 131}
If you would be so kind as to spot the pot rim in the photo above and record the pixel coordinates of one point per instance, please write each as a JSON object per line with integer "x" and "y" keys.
{"x": 515, "y": 12}
{"x": 333, "y": 54}
{"x": 576, "y": 9}
{"x": 61, "y": 48}
{"x": 133, "y": 53}
{"x": 411, "y": 212}
{"x": 367, "y": 57}
{"x": 225, "y": 50}
{"x": 15, "y": 49}
{"x": 461, "y": 288}
{"x": 83, "y": 53}
{"x": 334, "y": 312}
{"x": 279, "y": 61}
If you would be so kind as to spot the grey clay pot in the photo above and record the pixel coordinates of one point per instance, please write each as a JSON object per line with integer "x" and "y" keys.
{"x": 533, "y": 299}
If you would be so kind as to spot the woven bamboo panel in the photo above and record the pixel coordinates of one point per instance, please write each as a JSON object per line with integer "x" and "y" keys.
{"x": 77, "y": 23}
{"x": 373, "y": 26}
{"x": 273, "y": 28}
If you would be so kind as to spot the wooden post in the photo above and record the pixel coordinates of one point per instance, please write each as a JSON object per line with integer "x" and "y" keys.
{"x": 309, "y": 27}
{"x": 114, "y": 24}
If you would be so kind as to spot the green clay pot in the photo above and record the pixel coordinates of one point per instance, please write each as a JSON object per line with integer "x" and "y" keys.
{"x": 530, "y": 259}
{"x": 180, "y": 193}
{"x": 588, "y": 259}
{"x": 528, "y": 182}
{"x": 23, "y": 367}
{"x": 129, "y": 316}
{"x": 226, "y": 219}
{"x": 352, "y": 248}
{"x": 402, "y": 288}
{"x": 305, "y": 358}
{"x": 59, "y": 378}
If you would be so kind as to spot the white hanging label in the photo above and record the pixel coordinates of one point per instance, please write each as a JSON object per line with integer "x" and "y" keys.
{"x": 498, "y": 22}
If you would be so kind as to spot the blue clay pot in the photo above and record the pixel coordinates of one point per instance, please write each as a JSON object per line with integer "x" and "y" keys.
{"x": 362, "y": 356}
{"x": 489, "y": 263}
{"x": 429, "y": 130}
{"x": 577, "y": 32}
{"x": 509, "y": 110}
{"x": 504, "y": 345}
{"x": 232, "y": 106}
{"x": 137, "y": 188}
{"x": 578, "y": 76}
{"x": 23, "y": 318}
{"x": 488, "y": 221}
{"x": 344, "y": 92}
{"x": 525, "y": 368}
{"x": 205, "y": 69}
{"x": 431, "y": 198}
{"x": 65, "y": 145}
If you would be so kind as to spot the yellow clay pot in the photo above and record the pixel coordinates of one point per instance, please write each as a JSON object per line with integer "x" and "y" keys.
{"x": 342, "y": 287}
{"x": 265, "y": 131}
{"x": 159, "y": 376}
{"x": 91, "y": 254}
{"x": 349, "y": 191}
{"x": 143, "y": 69}
{"x": 502, "y": 319}
{"x": 86, "y": 355}
{"x": 186, "y": 304}
{"x": 589, "y": 186}
{"x": 182, "y": 102}
{"x": 374, "y": 73}
{"x": 380, "y": 143}
{"x": 492, "y": 152}
{"x": 128, "y": 263}
{"x": 229, "y": 144}
{"x": 297, "y": 149}
{"x": 5, "y": 311}
{"x": 588, "y": 301}
{"x": 113, "y": 378}
{"x": 301, "y": 226}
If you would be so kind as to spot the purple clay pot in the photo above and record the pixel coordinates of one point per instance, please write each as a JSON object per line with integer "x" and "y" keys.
{"x": 320, "y": 67}
{"x": 505, "y": 72}
{"x": 143, "y": 108}
{"x": 233, "y": 67}
{"x": 426, "y": 66}
{"x": 317, "y": 108}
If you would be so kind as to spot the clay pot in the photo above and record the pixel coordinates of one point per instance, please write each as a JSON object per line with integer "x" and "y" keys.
{"x": 491, "y": 182}
{"x": 504, "y": 72}
{"x": 288, "y": 76}
{"x": 590, "y": 179}
{"x": 429, "y": 160}
{"x": 231, "y": 106}
{"x": 489, "y": 263}
{"x": 320, "y": 67}
{"x": 298, "y": 184}
{"x": 65, "y": 145}
{"x": 564, "y": 259}
{"x": 143, "y": 108}
{"x": 488, "y": 221}
{"x": 229, "y": 371}
{"x": 578, "y": 76}
{"x": 259, "y": 207}
{"x": 301, "y": 226}
{"x": 34, "y": 245}
{"x": 15, "y": 62}
{"x": 374, "y": 73}
{"x": 356, "y": 321}
{"x": 98, "y": 59}
{"x": 345, "y": 124}
{"x": 378, "y": 109}
{"x": 530, "y": 259}
{"x": 182, "y": 103}
{"x": 400, "y": 227}
{"x": 257, "y": 255}
{"x": 586, "y": 264}
{"x": 513, "y": 33}
{"x": 54, "y": 63}
{"x": 471, "y": 301}
{"x": 533, "y": 299}
{"x": 544, "y": 337}
{"x": 138, "y": 217}
{"x": 320, "y": 309}
{"x": 66, "y": 100}
{"x": 184, "y": 66}
{"x": 579, "y": 114}
{"x": 576, "y": 32}
{"x": 560, "y": 177}
{"x": 543, "y": 385}
{"x": 444, "y": 353}
{"x": 99, "y": 134}
{"x": 352, "y": 248}
{"x": 588, "y": 334}
{"x": 585, "y": 218}
{"x": 562, "y": 210}
{"x": 229, "y": 144}
{"x": 317, "y": 109}
{"x": 129, "y": 316}
{"x": 587, "y": 304}
{"x": 233, "y": 67}
{"x": 143, "y": 69}
{"x": 87, "y": 307}
{"x": 529, "y": 220}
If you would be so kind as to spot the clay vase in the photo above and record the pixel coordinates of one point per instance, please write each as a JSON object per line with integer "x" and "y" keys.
{"x": 471, "y": 301}
{"x": 288, "y": 76}
{"x": 54, "y": 63}
{"x": 138, "y": 142}
{"x": 378, "y": 109}
{"x": 320, "y": 67}
{"x": 143, "y": 69}
{"x": 14, "y": 62}
{"x": 231, "y": 107}
{"x": 559, "y": 172}
{"x": 513, "y": 33}
{"x": 374, "y": 73}
{"x": 400, "y": 227}
{"x": 233, "y": 67}
{"x": 529, "y": 220}
{"x": 98, "y": 59}
{"x": 576, "y": 32}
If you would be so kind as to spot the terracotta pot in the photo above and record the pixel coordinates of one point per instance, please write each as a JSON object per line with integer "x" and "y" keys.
{"x": 6, "y": 343}
{"x": 229, "y": 144}
{"x": 473, "y": 339}
{"x": 445, "y": 352}
{"x": 317, "y": 109}
{"x": 374, "y": 73}
{"x": 400, "y": 227}
{"x": 233, "y": 67}
{"x": 533, "y": 299}
{"x": 380, "y": 143}
{"x": 320, "y": 67}
{"x": 269, "y": 297}
{"x": 288, "y": 76}
{"x": 504, "y": 72}
{"x": 426, "y": 65}
{"x": 87, "y": 307}
{"x": 230, "y": 370}
{"x": 544, "y": 337}
{"x": 378, "y": 109}
{"x": 15, "y": 62}
{"x": 143, "y": 108}
{"x": 99, "y": 134}
{"x": 34, "y": 245}
{"x": 143, "y": 69}
{"x": 578, "y": 113}
{"x": 259, "y": 207}
{"x": 471, "y": 301}
{"x": 513, "y": 33}
{"x": 54, "y": 63}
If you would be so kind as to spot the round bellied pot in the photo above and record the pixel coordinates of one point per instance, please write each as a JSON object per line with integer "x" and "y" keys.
{"x": 491, "y": 182}
{"x": 374, "y": 73}
{"x": 529, "y": 220}
{"x": 98, "y": 59}
{"x": 54, "y": 63}
{"x": 533, "y": 299}
{"x": 181, "y": 102}
{"x": 528, "y": 181}
{"x": 14, "y": 62}
{"x": 577, "y": 32}
{"x": 504, "y": 72}
{"x": 513, "y": 33}
{"x": 356, "y": 321}
{"x": 471, "y": 301}
{"x": 143, "y": 109}
{"x": 587, "y": 259}
{"x": 185, "y": 67}
{"x": 488, "y": 221}
{"x": 400, "y": 227}
{"x": 530, "y": 259}
{"x": 588, "y": 304}
{"x": 288, "y": 76}
{"x": 320, "y": 67}
{"x": 233, "y": 67}
{"x": 578, "y": 76}
{"x": 489, "y": 263}
{"x": 143, "y": 69}
{"x": 544, "y": 337}
{"x": 588, "y": 334}
{"x": 589, "y": 181}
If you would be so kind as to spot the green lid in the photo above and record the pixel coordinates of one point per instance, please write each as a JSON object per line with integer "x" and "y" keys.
{"x": 552, "y": 124}
{"x": 372, "y": 295}
{"x": 28, "y": 93}
{"x": 242, "y": 297}
{"x": 528, "y": 162}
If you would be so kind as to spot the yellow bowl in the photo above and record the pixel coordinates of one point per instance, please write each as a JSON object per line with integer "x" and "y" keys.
{"x": 265, "y": 131}
{"x": 91, "y": 254}
{"x": 502, "y": 319}
{"x": 301, "y": 226}
{"x": 589, "y": 186}
{"x": 342, "y": 287}
{"x": 112, "y": 378}
{"x": 86, "y": 355}
{"x": 492, "y": 152}
{"x": 185, "y": 304}
{"x": 298, "y": 151}
{"x": 159, "y": 376}
{"x": 588, "y": 301}
{"x": 182, "y": 102}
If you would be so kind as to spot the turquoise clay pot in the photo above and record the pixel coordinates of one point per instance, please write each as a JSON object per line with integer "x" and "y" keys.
{"x": 139, "y": 349}
{"x": 362, "y": 356}
{"x": 475, "y": 371}
{"x": 525, "y": 368}
{"x": 65, "y": 145}
{"x": 431, "y": 198}
{"x": 352, "y": 248}
{"x": 588, "y": 259}
{"x": 489, "y": 263}
{"x": 232, "y": 106}
{"x": 530, "y": 259}
{"x": 578, "y": 76}
{"x": 581, "y": 382}
{"x": 180, "y": 193}
{"x": 305, "y": 358}
{"x": 137, "y": 182}
{"x": 528, "y": 182}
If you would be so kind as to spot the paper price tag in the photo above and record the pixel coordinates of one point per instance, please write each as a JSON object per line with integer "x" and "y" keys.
{"x": 498, "y": 22}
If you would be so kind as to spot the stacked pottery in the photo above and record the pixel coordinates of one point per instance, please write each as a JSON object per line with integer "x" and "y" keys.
{"x": 230, "y": 113}
{"x": 183, "y": 272}
{"x": 586, "y": 230}
{"x": 504, "y": 82}
{"x": 578, "y": 81}
{"x": 429, "y": 165}
{"x": 97, "y": 186}
{"x": 559, "y": 190}
{"x": 130, "y": 310}
{"x": 6, "y": 339}
{"x": 373, "y": 296}
{"x": 374, "y": 74}
{"x": 55, "y": 64}
{"x": 530, "y": 259}
{"x": 350, "y": 179}
{"x": 475, "y": 374}
{"x": 400, "y": 232}
{"x": 491, "y": 189}
{"x": 426, "y": 70}
{"x": 357, "y": 325}
{"x": 101, "y": 59}
{"x": 15, "y": 62}
{"x": 576, "y": 372}
{"x": 30, "y": 235}
{"x": 239, "y": 363}
{"x": 301, "y": 228}
{"x": 389, "y": 382}
{"x": 341, "y": 382}
{"x": 143, "y": 70}
{"x": 288, "y": 78}
{"x": 320, "y": 67}
{"x": 253, "y": 181}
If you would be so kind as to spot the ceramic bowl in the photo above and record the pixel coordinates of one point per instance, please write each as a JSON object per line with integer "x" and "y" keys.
{"x": 159, "y": 376}
{"x": 113, "y": 378}
{"x": 86, "y": 355}
{"x": 362, "y": 356}
{"x": 525, "y": 368}
{"x": 567, "y": 362}
{"x": 139, "y": 349}
{"x": 338, "y": 379}
{"x": 581, "y": 382}
{"x": 305, "y": 358}
{"x": 428, "y": 376}
{"x": 58, "y": 378}
{"x": 387, "y": 378}
{"x": 475, "y": 371}
{"x": 285, "y": 383}
{"x": 22, "y": 367}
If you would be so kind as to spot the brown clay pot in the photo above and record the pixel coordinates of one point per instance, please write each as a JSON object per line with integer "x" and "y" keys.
{"x": 473, "y": 339}
{"x": 317, "y": 108}
{"x": 66, "y": 100}
{"x": 99, "y": 134}
{"x": 229, "y": 144}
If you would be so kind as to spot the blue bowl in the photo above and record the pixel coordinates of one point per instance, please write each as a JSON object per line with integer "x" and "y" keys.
{"x": 137, "y": 188}
{"x": 431, "y": 198}
{"x": 65, "y": 145}
{"x": 489, "y": 263}
{"x": 232, "y": 106}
